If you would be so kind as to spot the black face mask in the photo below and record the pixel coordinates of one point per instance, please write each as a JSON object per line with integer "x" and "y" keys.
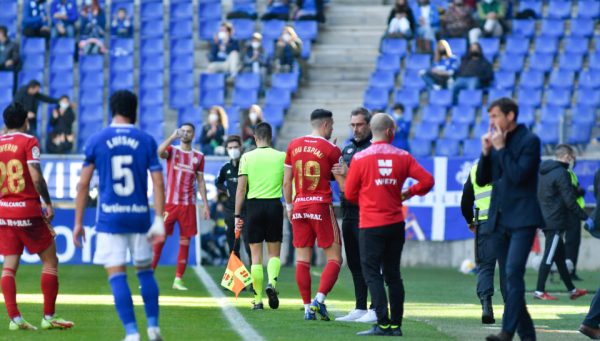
{"x": 442, "y": 52}
{"x": 476, "y": 54}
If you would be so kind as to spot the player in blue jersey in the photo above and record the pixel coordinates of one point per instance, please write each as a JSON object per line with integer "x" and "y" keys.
{"x": 122, "y": 154}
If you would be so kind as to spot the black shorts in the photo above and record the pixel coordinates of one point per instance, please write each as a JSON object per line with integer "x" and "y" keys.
{"x": 264, "y": 220}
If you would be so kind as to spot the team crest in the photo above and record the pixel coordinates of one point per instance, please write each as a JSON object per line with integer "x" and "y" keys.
{"x": 350, "y": 151}
{"x": 195, "y": 160}
{"x": 385, "y": 167}
{"x": 35, "y": 152}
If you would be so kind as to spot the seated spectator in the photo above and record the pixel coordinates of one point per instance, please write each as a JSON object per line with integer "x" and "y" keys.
{"x": 255, "y": 116}
{"x": 402, "y": 127}
{"x": 287, "y": 50}
{"x": 475, "y": 72}
{"x": 457, "y": 21}
{"x": 490, "y": 14}
{"x": 9, "y": 55}
{"x": 401, "y": 21}
{"x": 93, "y": 22}
{"x": 277, "y": 9}
{"x": 29, "y": 96}
{"x": 224, "y": 52}
{"x": 444, "y": 66}
{"x": 254, "y": 56}
{"x": 213, "y": 132}
{"x": 63, "y": 118}
{"x": 428, "y": 23}
{"x": 64, "y": 15}
{"x": 242, "y": 9}
{"x": 59, "y": 143}
{"x": 310, "y": 10}
{"x": 35, "y": 19}
{"x": 122, "y": 25}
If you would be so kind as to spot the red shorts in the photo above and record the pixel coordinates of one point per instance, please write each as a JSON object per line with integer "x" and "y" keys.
{"x": 185, "y": 215}
{"x": 15, "y": 234}
{"x": 315, "y": 221}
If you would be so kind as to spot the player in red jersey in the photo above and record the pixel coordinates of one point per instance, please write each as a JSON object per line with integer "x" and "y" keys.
{"x": 308, "y": 165}
{"x": 185, "y": 168}
{"x": 22, "y": 222}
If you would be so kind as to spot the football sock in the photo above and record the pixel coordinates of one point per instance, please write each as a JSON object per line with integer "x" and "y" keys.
{"x": 273, "y": 268}
{"x": 307, "y": 308}
{"x": 157, "y": 252}
{"x": 182, "y": 257}
{"x": 49, "y": 289}
{"x": 150, "y": 295}
{"x": 123, "y": 301}
{"x": 257, "y": 281}
{"x": 320, "y": 297}
{"x": 329, "y": 276}
{"x": 303, "y": 280}
{"x": 9, "y": 289}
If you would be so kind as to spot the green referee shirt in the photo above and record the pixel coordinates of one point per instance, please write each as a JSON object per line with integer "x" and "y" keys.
{"x": 264, "y": 169}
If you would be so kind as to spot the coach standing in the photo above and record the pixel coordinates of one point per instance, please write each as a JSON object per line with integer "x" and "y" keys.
{"x": 375, "y": 180}
{"x": 510, "y": 160}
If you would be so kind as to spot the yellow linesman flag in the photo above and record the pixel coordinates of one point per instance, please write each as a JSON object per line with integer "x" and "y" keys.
{"x": 236, "y": 276}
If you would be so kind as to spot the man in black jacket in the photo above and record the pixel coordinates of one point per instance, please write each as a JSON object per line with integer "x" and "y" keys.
{"x": 30, "y": 96}
{"x": 557, "y": 200}
{"x": 475, "y": 72}
{"x": 9, "y": 55}
{"x": 510, "y": 161}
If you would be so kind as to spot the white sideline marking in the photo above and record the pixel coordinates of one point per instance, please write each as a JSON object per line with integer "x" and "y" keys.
{"x": 236, "y": 319}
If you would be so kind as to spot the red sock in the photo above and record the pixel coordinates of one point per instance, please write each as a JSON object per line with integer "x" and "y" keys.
{"x": 49, "y": 289}
{"x": 303, "y": 280}
{"x": 9, "y": 289}
{"x": 182, "y": 258}
{"x": 329, "y": 276}
{"x": 157, "y": 252}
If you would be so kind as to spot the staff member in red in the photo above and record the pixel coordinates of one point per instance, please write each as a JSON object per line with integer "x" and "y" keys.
{"x": 375, "y": 181}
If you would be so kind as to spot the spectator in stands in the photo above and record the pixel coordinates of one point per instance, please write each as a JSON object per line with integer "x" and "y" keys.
{"x": 287, "y": 50}
{"x": 490, "y": 14}
{"x": 59, "y": 143}
{"x": 224, "y": 52}
{"x": 401, "y": 21}
{"x": 310, "y": 10}
{"x": 29, "y": 96}
{"x": 277, "y": 9}
{"x": 402, "y": 127}
{"x": 255, "y": 116}
{"x": 444, "y": 65}
{"x": 122, "y": 25}
{"x": 212, "y": 134}
{"x": 63, "y": 118}
{"x": 9, "y": 54}
{"x": 242, "y": 9}
{"x": 428, "y": 23}
{"x": 457, "y": 21}
{"x": 35, "y": 19}
{"x": 475, "y": 71}
{"x": 64, "y": 15}
{"x": 254, "y": 54}
{"x": 93, "y": 22}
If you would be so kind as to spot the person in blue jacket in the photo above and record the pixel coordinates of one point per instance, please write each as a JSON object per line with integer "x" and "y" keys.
{"x": 35, "y": 19}
{"x": 122, "y": 25}
{"x": 64, "y": 15}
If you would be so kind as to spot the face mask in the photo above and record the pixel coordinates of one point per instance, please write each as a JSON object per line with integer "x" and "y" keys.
{"x": 255, "y": 44}
{"x": 234, "y": 154}
{"x": 64, "y": 105}
{"x": 253, "y": 117}
{"x": 286, "y": 37}
{"x": 488, "y": 1}
{"x": 442, "y": 52}
{"x": 213, "y": 118}
{"x": 476, "y": 54}
{"x": 88, "y": 2}
{"x": 223, "y": 35}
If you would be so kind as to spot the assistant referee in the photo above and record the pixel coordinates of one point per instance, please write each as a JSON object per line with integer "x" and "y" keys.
{"x": 261, "y": 174}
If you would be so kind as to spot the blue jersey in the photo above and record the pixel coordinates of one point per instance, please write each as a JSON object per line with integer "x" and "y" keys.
{"x": 123, "y": 155}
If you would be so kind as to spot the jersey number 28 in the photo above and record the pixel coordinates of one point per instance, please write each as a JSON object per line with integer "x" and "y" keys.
{"x": 120, "y": 172}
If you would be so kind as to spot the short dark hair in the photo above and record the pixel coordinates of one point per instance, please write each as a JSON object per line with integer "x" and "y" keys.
{"x": 4, "y": 30}
{"x": 506, "y": 105}
{"x": 14, "y": 116}
{"x": 399, "y": 106}
{"x": 189, "y": 124}
{"x": 562, "y": 150}
{"x": 263, "y": 132}
{"x": 33, "y": 83}
{"x": 122, "y": 9}
{"x": 318, "y": 114}
{"x": 233, "y": 138}
{"x": 124, "y": 103}
{"x": 362, "y": 111}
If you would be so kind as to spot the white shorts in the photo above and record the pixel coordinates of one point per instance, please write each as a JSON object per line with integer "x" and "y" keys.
{"x": 112, "y": 249}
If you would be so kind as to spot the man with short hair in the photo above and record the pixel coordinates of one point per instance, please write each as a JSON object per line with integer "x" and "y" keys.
{"x": 9, "y": 51}
{"x": 22, "y": 221}
{"x": 185, "y": 169}
{"x": 30, "y": 96}
{"x": 123, "y": 156}
{"x": 375, "y": 180}
{"x": 64, "y": 15}
{"x": 259, "y": 186}
{"x": 308, "y": 168}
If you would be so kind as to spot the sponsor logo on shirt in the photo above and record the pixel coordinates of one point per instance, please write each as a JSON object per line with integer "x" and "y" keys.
{"x": 13, "y": 204}
{"x": 16, "y": 222}
{"x": 311, "y": 216}
{"x": 385, "y": 167}
{"x": 35, "y": 152}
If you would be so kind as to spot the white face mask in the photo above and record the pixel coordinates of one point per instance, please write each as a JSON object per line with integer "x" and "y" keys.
{"x": 286, "y": 37}
{"x": 253, "y": 117}
{"x": 88, "y": 2}
{"x": 255, "y": 44}
{"x": 223, "y": 35}
{"x": 488, "y": 1}
{"x": 64, "y": 105}
{"x": 234, "y": 154}
{"x": 213, "y": 118}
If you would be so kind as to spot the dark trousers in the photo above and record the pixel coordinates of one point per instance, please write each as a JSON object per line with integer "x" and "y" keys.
{"x": 554, "y": 252}
{"x": 380, "y": 251}
{"x": 592, "y": 319}
{"x": 36, "y": 32}
{"x": 487, "y": 249}
{"x": 512, "y": 257}
{"x": 230, "y": 222}
{"x": 572, "y": 242}
{"x": 350, "y": 233}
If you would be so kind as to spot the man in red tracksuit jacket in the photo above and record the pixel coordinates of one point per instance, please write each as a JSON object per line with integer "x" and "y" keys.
{"x": 375, "y": 181}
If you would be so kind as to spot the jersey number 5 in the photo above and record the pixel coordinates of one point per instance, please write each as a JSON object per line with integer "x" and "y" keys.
{"x": 120, "y": 171}
{"x": 311, "y": 171}
{"x": 12, "y": 172}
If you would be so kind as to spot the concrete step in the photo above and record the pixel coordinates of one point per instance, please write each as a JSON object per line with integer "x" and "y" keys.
{"x": 345, "y": 55}
{"x": 342, "y": 72}
{"x": 362, "y": 39}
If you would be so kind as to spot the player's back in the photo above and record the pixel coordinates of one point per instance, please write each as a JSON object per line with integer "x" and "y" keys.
{"x": 18, "y": 196}
{"x": 123, "y": 155}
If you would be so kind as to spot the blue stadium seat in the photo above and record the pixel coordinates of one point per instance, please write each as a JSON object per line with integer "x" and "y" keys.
{"x": 412, "y": 80}
{"x": 376, "y": 99}
{"x": 527, "y": 115}
{"x": 151, "y": 10}
{"x": 91, "y": 80}
{"x": 583, "y": 114}
{"x": 589, "y": 97}
{"x": 9, "y": 9}
{"x": 409, "y": 97}
{"x": 552, "y": 114}
{"x": 440, "y": 97}
{"x": 182, "y": 46}
{"x": 473, "y": 98}
{"x": 210, "y": 81}
{"x": 33, "y": 46}
{"x": 182, "y": 10}
{"x": 589, "y": 9}
{"x": 6, "y": 80}
{"x": 244, "y": 98}
{"x": 61, "y": 62}
{"x": 91, "y": 96}
{"x": 541, "y": 62}
{"x": 6, "y": 95}
{"x": 589, "y": 79}
{"x": 243, "y": 28}
{"x": 433, "y": 114}
{"x": 62, "y": 46}
{"x": 458, "y": 46}
{"x": 151, "y": 114}
{"x": 190, "y": 114}
{"x": 181, "y": 29}
{"x": 155, "y": 130}
{"x": 209, "y": 98}
{"x": 306, "y": 49}
{"x": 427, "y": 131}
{"x": 233, "y": 113}
{"x": 532, "y": 79}
{"x": 209, "y": 28}
{"x": 394, "y": 47}
{"x": 121, "y": 80}
{"x": 61, "y": 80}
{"x": 532, "y": 97}
{"x": 279, "y": 97}
{"x": 271, "y": 29}
{"x": 516, "y": 45}
{"x": 383, "y": 80}
{"x": 559, "y": 9}
{"x": 490, "y": 47}
{"x": 25, "y": 76}
{"x": 482, "y": 128}
{"x": 471, "y": 148}
{"x": 181, "y": 80}
{"x": 388, "y": 63}
{"x": 152, "y": 46}
{"x": 579, "y": 133}
{"x": 286, "y": 81}
{"x": 534, "y": 5}
{"x": 121, "y": 46}
{"x": 495, "y": 94}
{"x": 181, "y": 97}
{"x": 418, "y": 62}
{"x": 274, "y": 115}
{"x": 523, "y": 28}
{"x": 546, "y": 44}
{"x": 85, "y": 130}
{"x": 91, "y": 63}
{"x": 582, "y": 27}
{"x": 562, "y": 79}
{"x": 152, "y": 29}
{"x": 447, "y": 147}
{"x": 504, "y": 80}
{"x": 248, "y": 81}
{"x": 512, "y": 62}
{"x": 570, "y": 61}
{"x": 552, "y": 28}
{"x": 209, "y": 11}
{"x": 306, "y": 29}
{"x": 576, "y": 44}
{"x": 547, "y": 132}
{"x": 559, "y": 97}
{"x": 11, "y": 24}
{"x": 91, "y": 113}
{"x": 33, "y": 62}
{"x": 420, "y": 147}
{"x": 594, "y": 61}
{"x": 124, "y": 63}
{"x": 155, "y": 62}
{"x": 456, "y": 131}
{"x": 268, "y": 46}
{"x": 182, "y": 63}
{"x": 245, "y": 6}
{"x": 463, "y": 114}
{"x": 151, "y": 80}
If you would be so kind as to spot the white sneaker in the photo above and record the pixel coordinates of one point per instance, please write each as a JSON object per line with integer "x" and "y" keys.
{"x": 352, "y": 316}
{"x": 132, "y": 337}
{"x": 154, "y": 334}
{"x": 369, "y": 317}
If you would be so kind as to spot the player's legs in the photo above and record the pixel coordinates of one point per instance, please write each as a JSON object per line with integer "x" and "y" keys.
{"x": 182, "y": 256}
{"x": 49, "y": 284}
{"x": 170, "y": 218}
{"x": 141, "y": 252}
{"x": 328, "y": 237}
{"x": 187, "y": 229}
{"x": 303, "y": 279}
{"x": 9, "y": 285}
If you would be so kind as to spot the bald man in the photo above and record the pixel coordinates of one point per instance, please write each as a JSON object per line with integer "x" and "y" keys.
{"x": 375, "y": 180}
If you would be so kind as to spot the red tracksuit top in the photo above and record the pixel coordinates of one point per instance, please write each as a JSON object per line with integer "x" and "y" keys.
{"x": 375, "y": 181}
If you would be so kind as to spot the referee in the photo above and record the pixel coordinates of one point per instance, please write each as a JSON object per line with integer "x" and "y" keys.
{"x": 261, "y": 175}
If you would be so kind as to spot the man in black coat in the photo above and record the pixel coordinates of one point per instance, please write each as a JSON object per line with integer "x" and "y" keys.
{"x": 29, "y": 96}
{"x": 510, "y": 161}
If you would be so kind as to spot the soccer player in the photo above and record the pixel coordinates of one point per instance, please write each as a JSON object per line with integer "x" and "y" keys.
{"x": 185, "y": 167}
{"x": 123, "y": 155}
{"x": 308, "y": 165}
{"x": 22, "y": 221}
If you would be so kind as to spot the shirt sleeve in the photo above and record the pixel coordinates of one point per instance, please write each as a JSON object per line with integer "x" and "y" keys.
{"x": 169, "y": 151}
{"x": 243, "y": 166}
{"x": 288, "y": 157}
{"x": 353, "y": 182}
{"x": 424, "y": 178}
{"x": 335, "y": 155}
{"x": 200, "y": 167}
{"x": 154, "y": 164}
{"x": 33, "y": 151}
{"x": 89, "y": 152}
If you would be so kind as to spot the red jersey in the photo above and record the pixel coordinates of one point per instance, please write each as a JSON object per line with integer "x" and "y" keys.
{"x": 182, "y": 168}
{"x": 312, "y": 158}
{"x": 18, "y": 196}
{"x": 375, "y": 181}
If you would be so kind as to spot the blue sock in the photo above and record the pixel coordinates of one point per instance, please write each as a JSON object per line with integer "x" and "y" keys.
{"x": 150, "y": 296}
{"x": 123, "y": 301}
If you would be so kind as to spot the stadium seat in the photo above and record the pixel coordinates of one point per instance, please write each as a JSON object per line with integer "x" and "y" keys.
{"x": 151, "y": 10}
{"x": 153, "y": 63}
{"x": 576, "y": 44}
{"x": 155, "y": 130}
{"x": 532, "y": 97}
{"x": 211, "y": 81}
{"x": 11, "y": 24}
{"x": 527, "y": 115}
{"x": 124, "y": 63}
{"x": 33, "y": 62}
{"x": 376, "y": 99}
{"x": 589, "y": 97}
{"x": 589, "y": 9}
{"x": 91, "y": 63}
{"x": 418, "y": 62}
{"x": 388, "y": 63}
{"x": 552, "y": 114}
{"x": 182, "y": 10}
{"x": 181, "y": 97}
{"x": 9, "y": 9}
{"x": 208, "y": 29}
{"x": 440, "y": 97}
{"x": 182, "y": 46}
{"x": 420, "y": 147}
{"x": 562, "y": 79}
{"x": 523, "y": 28}
{"x": 504, "y": 80}
{"x": 26, "y": 75}
{"x": 583, "y": 114}
{"x": 274, "y": 115}
{"x": 208, "y": 11}
{"x": 413, "y": 80}
{"x": 541, "y": 62}
{"x": 482, "y": 128}
{"x": 579, "y": 133}
{"x": 383, "y": 80}
{"x": 559, "y": 97}
{"x": 152, "y": 29}
{"x": 547, "y": 132}
{"x": 152, "y": 46}
{"x": 244, "y": 98}
{"x": 91, "y": 96}
{"x": 243, "y": 28}
{"x": 516, "y": 45}
{"x": 271, "y": 29}
{"x": 559, "y": 9}
{"x": 121, "y": 46}
{"x": 209, "y": 98}
{"x": 433, "y": 114}
{"x": 306, "y": 49}
{"x": 61, "y": 80}
{"x": 190, "y": 114}
{"x": 181, "y": 29}
{"x": 91, "y": 113}
{"x": 182, "y": 63}
{"x": 512, "y": 62}
{"x": 589, "y": 79}
{"x": 181, "y": 80}
{"x": 279, "y": 97}
{"x": 91, "y": 80}
{"x": 427, "y": 131}
{"x": 394, "y": 47}
{"x": 121, "y": 80}
{"x": 306, "y": 29}
{"x": 490, "y": 47}
{"x": 33, "y": 46}
{"x": 532, "y": 79}
{"x": 286, "y": 81}
{"x": 594, "y": 61}
{"x": 456, "y": 131}
{"x": 151, "y": 114}
{"x": 151, "y": 80}
{"x": 6, "y": 80}
{"x": 472, "y": 98}
{"x": 546, "y": 44}
{"x": 458, "y": 46}
{"x": 248, "y": 81}
{"x": 233, "y": 113}
{"x": 471, "y": 148}
{"x": 495, "y": 94}
{"x": 463, "y": 114}
{"x": 409, "y": 97}
{"x": 61, "y": 62}
{"x": 582, "y": 27}
{"x": 447, "y": 147}
{"x": 62, "y": 46}
{"x": 534, "y": 5}
{"x": 570, "y": 62}
{"x": 6, "y": 95}
{"x": 552, "y": 28}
